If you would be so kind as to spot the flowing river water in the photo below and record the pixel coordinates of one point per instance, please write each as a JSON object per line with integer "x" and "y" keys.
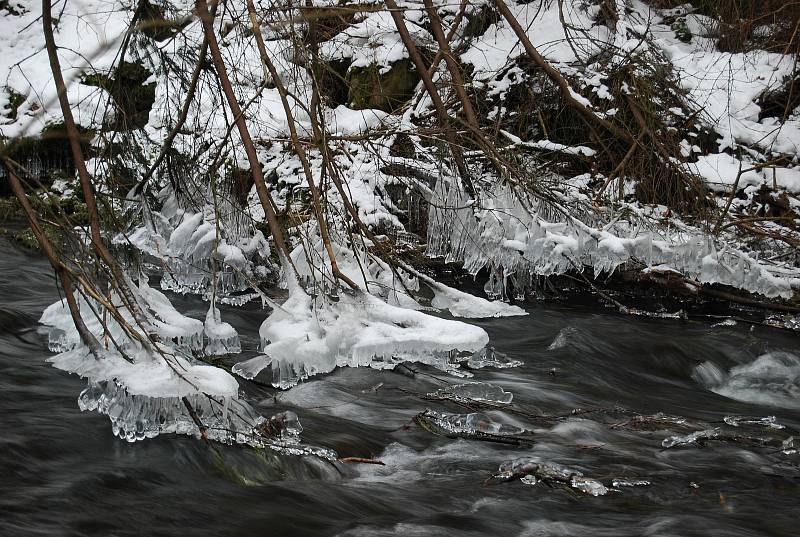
{"x": 62, "y": 472}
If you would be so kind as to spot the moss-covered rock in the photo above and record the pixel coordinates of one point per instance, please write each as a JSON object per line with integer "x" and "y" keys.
{"x": 155, "y": 24}
{"x": 384, "y": 88}
{"x": 240, "y": 181}
{"x": 322, "y": 23}
{"x": 132, "y": 96}
{"x": 27, "y": 239}
{"x": 15, "y": 100}
{"x": 480, "y": 21}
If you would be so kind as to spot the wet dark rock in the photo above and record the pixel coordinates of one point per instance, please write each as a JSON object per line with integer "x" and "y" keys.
{"x": 380, "y": 87}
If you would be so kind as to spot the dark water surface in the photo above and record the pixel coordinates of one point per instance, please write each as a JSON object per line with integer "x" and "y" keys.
{"x": 63, "y": 473}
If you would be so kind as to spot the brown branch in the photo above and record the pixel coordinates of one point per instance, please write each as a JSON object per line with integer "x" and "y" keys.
{"x": 119, "y": 279}
{"x": 452, "y": 65}
{"x": 187, "y": 103}
{"x": 558, "y": 78}
{"x": 207, "y": 20}
{"x": 298, "y": 147}
{"x": 430, "y": 87}
{"x": 63, "y": 272}
{"x": 362, "y": 460}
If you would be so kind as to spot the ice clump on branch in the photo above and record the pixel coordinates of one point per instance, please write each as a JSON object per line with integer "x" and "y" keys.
{"x": 767, "y": 421}
{"x": 312, "y": 334}
{"x": 476, "y": 392}
{"x": 202, "y": 253}
{"x": 532, "y": 472}
{"x": 137, "y": 416}
{"x": 221, "y": 338}
{"x": 186, "y": 334}
{"x": 518, "y": 237}
{"x": 468, "y": 424}
{"x": 167, "y": 374}
{"x": 308, "y": 336}
{"x": 172, "y": 326}
{"x": 691, "y": 438}
{"x": 228, "y": 420}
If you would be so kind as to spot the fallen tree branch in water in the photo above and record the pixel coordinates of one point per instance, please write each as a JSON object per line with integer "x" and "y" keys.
{"x": 361, "y": 460}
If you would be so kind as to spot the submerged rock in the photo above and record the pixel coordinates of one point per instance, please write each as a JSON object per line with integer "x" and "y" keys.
{"x": 533, "y": 472}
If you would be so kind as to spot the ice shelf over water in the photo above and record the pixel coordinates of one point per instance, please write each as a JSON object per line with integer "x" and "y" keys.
{"x": 308, "y": 336}
{"x": 226, "y": 419}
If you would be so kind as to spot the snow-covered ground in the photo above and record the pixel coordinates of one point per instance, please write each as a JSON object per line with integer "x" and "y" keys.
{"x": 201, "y": 244}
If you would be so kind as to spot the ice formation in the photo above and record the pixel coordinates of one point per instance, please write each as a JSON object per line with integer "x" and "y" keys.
{"x": 623, "y": 482}
{"x": 518, "y": 241}
{"x": 171, "y": 326}
{"x": 480, "y": 392}
{"x": 490, "y": 357}
{"x": 185, "y": 334}
{"x": 221, "y": 338}
{"x": 532, "y": 472}
{"x": 691, "y": 438}
{"x": 227, "y": 419}
{"x": 588, "y": 485}
{"x": 469, "y": 424}
{"x": 770, "y": 422}
{"x": 199, "y": 252}
{"x": 136, "y": 416}
{"x": 308, "y": 336}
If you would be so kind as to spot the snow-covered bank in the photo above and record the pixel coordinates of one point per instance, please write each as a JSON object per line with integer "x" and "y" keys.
{"x": 577, "y": 141}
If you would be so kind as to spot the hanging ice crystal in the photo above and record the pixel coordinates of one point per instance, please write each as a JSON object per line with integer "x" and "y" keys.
{"x": 691, "y": 438}
{"x": 767, "y": 421}
{"x": 511, "y": 234}
{"x": 227, "y": 419}
{"x": 136, "y": 417}
{"x": 209, "y": 252}
{"x": 475, "y": 391}
{"x": 221, "y": 338}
